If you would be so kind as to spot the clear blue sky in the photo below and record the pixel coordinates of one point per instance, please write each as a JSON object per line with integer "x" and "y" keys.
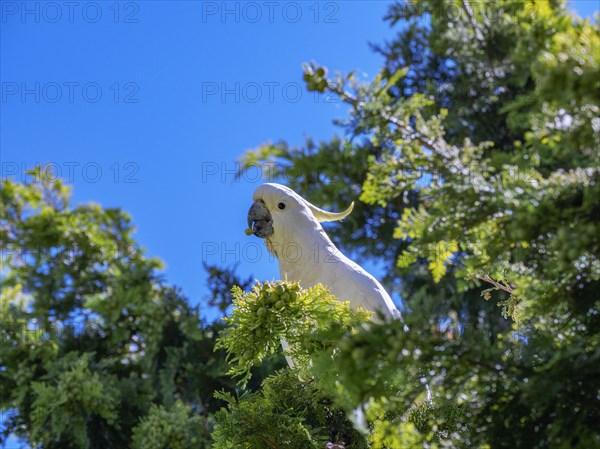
{"x": 146, "y": 106}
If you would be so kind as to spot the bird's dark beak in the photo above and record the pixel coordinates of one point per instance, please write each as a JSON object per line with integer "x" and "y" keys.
{"x": 259, "y": 219}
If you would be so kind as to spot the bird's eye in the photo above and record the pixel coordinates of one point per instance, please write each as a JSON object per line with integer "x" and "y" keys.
{"x": 281, "y": 206}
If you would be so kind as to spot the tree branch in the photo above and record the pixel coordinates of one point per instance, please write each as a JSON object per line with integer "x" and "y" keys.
{"x": 473, "y": 22}
{"x": 497, "y": 285}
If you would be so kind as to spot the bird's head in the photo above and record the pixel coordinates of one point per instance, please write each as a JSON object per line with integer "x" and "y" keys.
{"x": 278, "y": 213}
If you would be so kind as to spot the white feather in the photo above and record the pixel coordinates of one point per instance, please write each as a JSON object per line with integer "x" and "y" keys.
{"x": 306, "y": 254}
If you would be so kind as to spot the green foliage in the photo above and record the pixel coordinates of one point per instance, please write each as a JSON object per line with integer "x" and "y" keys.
{"x": 67, "y": 396}
{"x": 219, "y": 285}
{"x": 306, "y": 319}
{"x": 94, "y": 349}
{"x": 291, "y": 409}
{"x": 475, "y": 156}
{"x": 176, "y": 427}
{"x": 425, "y": 414}
{"x": 285, "y": 413}
{"x": 335, "y": 371}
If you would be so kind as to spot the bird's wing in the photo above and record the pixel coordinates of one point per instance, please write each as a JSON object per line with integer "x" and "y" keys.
{"x": 350, "y": 282}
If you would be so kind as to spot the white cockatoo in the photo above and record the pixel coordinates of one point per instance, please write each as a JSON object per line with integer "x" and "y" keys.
{"x": 291, "y": 228}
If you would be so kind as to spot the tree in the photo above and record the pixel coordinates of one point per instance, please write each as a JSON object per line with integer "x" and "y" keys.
{"x": 291, "y": 409}
{"x": 219, "y": 283}
{"x": 96, "y": 351}
{"x": 475, "y": 154}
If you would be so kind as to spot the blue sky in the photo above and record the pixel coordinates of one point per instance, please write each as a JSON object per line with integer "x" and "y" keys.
{"x": 146, "y": 106}
{"x": 150, "y": 116}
